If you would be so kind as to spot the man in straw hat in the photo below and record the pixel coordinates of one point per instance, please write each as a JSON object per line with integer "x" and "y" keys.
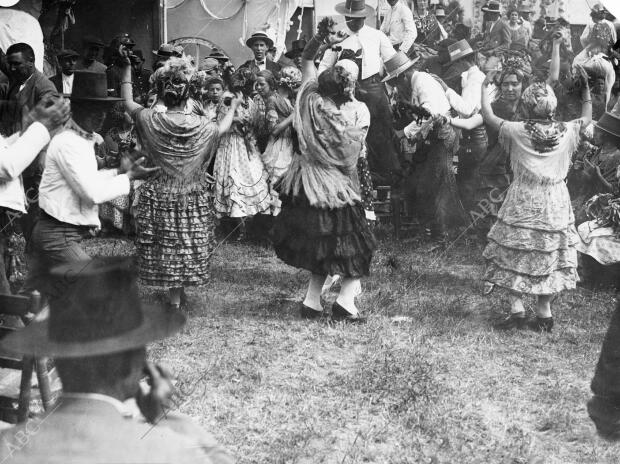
{"x": 373, "y": 48}
{"x": 71, "y": 187}
{"x": 497, "y": 34}
{"x": 16, "y": 153}
{"x": 434, "y": 184}
{"x": 96, "y": 331}
{"x": 260, "y": 43}
{"x": 399, "y": 26}
{"x": 598, "y": 15}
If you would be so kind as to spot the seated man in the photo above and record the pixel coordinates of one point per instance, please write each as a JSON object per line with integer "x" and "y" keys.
{"x": 97, "y": 331}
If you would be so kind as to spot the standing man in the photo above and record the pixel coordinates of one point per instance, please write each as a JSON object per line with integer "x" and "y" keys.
{"x": 90, "y": 54}
{"x": 399, "y": 26}
{"x": 71, "y": 187}
{"x": 297, "y": 48}
{"x": 497, "y": 35}
{"x": 372, "y": 48}
{"x": 67, "y": 59}
{"x": 525, "y": 11}
{"x": 260, "y": 43}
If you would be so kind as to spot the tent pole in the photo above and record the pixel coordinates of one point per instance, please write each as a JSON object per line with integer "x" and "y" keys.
{"x": 165, "y": 21}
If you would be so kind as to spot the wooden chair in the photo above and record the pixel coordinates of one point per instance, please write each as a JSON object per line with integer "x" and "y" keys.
{"x": 15, "y": 312}
{"x": 389, "y": 205}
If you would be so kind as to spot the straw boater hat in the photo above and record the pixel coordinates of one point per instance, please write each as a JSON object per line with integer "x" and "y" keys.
{"x": 259, "y": 36}
{"x": 165, "y": 50}
{"x": 610, "y": 123}
{"x": 91, "y": 86}
{"x": 95, "y": 309}
{"x": 297, "y": 48}
{"x": 354, "y": 9}
{"x": 459, "y": 50}
{"x": 218, "y": 55}
{"x": 491, "y": 7}
{"x": 440, "y": 13}
{"x": 397, "y": 65}
{"x": 8, "y": 3}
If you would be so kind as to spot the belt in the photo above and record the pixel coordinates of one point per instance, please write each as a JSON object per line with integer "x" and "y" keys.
{"x": 52, "y": 219}
{"x": 375, "y": 78}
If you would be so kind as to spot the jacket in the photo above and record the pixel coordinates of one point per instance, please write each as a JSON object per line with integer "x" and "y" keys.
{"x": 269, "y": 65}
{"x": 498, "y": 37}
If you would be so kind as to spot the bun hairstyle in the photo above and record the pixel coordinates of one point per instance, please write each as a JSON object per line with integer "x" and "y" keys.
{"x": 173, "y": 81}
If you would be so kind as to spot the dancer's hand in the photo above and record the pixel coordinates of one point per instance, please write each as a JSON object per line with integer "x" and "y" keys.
{"x": 52, "y": 112}
{"x": 155, "y": 399}
{"x": 135, "y": 170}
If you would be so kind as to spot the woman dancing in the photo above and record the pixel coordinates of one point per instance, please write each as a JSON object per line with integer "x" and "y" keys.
{"x": 531, "y": 247}
{"x": 322, "y": 226}
{"x": 175, "y": 213}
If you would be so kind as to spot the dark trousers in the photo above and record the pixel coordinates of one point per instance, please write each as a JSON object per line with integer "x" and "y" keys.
{"x": 52, "y": 243}
{"x": 382, "y": 155}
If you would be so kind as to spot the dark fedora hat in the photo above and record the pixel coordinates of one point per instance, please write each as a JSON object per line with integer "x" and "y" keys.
{"x": 91, "y": 86}
{"x": 397, "y": 65}
{"x": 95, "y": 309}
{"x": 491, "y": 6}
{"x": 297, "y": 47}
{"x": 610, "y": 123}
{"x": 218, "y": 55}
{"x": 165, "y": 50}
{"x": 92, "y": 40}
{"x": 260, "y": 35}
{"x": 67, "y": 53}
{"x": 354, "y": 9}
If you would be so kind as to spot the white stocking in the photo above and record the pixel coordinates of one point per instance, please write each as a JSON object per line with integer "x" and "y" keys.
{"x": 313, "y": 295}
{"x": 349, "y": 288}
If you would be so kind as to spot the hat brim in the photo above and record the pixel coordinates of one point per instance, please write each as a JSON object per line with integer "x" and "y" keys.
{"x": 8, "y": 3}
{"x": 604, "y": 129}
{"x": 486, "y": 10}
{"x": 158, "y": 322}
{"x": 251, "y": 40}
{"x": 401, "y": 69}
{"x": 341, "y": 8}
{"x": 293, "y": 54}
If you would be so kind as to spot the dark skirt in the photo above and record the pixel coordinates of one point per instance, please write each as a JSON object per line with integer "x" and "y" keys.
{"x": 323, "y": 241}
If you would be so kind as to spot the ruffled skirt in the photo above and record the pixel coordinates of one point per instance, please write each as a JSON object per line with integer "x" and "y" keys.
{"x": 323, "y": 241}
{"x": 532, "y": 246}
{"x": 176, "y": 234}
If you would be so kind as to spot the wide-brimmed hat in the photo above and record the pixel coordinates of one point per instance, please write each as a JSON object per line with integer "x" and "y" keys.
{"x": 398, "y": 64}
{"x": 491, "y": 7}
{"x": 297, "y": 47}
{"x": 260, "y": 35}
{"x": 91, "y": 86}
{"x": 218, "y": 55}
{"x": 8, "y": 3}
{"x": 165, "y": 50}
{"x": 95, "y": 309}
{"x": 440, "y": 12}
{"x": 610, "y": 123}
{"x": 460, "y": 49}
{"x": 67, "y": 53}
{"x": 354, "y": 9}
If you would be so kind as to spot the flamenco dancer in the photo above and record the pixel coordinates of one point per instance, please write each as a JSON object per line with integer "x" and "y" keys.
{"x": 322, "y": 225}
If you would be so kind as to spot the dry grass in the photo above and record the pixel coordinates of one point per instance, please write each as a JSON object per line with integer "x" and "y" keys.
{"x": 426, "y": 380}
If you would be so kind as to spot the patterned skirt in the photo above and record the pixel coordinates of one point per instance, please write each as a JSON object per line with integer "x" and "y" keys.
{"x": 176, "y": 234}
{"x": 532, "y": 246}
{"x": 323, "y": 241}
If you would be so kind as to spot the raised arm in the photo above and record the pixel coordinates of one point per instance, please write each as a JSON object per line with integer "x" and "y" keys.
{"x": 467, "y": 123}
{"x": 486, "y": 110}
{"x": 224, "y": 125}
{"x": 554, "y": 68}
{"x": 586, "y": 98}
{"x": 126, "y": 85}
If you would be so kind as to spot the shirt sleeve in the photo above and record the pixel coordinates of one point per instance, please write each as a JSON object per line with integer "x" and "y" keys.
{"x": 82, "y": 176}
{"x": 470, "y": 101}
{"x": 410, "y": 30}
{"x": 386, "y": 50}
{"x": 18, "y": 156}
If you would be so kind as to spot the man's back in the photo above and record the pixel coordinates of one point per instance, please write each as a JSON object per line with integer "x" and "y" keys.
{"x": 94, "y": 431}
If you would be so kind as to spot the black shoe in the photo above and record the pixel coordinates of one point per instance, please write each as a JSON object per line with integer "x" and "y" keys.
{"x": 341, "y": 314}
{"x": 309, "y": 313}
{"x": 514, "y": 321}
{"x": 541, "y": 324}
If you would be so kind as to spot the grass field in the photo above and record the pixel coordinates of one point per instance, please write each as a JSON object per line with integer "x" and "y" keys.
{"x": 427, "y": 380}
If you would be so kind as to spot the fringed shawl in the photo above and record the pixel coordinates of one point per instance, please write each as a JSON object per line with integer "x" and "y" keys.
{"x": 178, "y": 144}
{"x": 329, "y": 146}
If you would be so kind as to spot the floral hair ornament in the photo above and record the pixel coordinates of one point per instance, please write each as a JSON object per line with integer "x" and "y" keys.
{"x": 290, "y": 77}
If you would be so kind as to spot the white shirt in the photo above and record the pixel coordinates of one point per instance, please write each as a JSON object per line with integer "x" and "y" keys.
{"x": 18, "y": 26}
{"x": 71, "y": 187}
{"x": 261, "y": 66}
{"x": 586, "y": 33}
{"x": 376, "y": 49}
{"x": 470, "y": 101}
{"x": 529, "y": 27}
{"x": 427, "y": 93}
{"x": 399, "y": 26}
{"x": 16, "y": 154}
{"x": 67, "y": 84}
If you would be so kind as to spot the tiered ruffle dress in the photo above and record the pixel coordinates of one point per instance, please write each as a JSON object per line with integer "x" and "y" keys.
{"x": 326, "y": 240}
{"x": 531, "y": 247}
{"x": 175, "y": 214}
{"x": 241, "y": 187}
